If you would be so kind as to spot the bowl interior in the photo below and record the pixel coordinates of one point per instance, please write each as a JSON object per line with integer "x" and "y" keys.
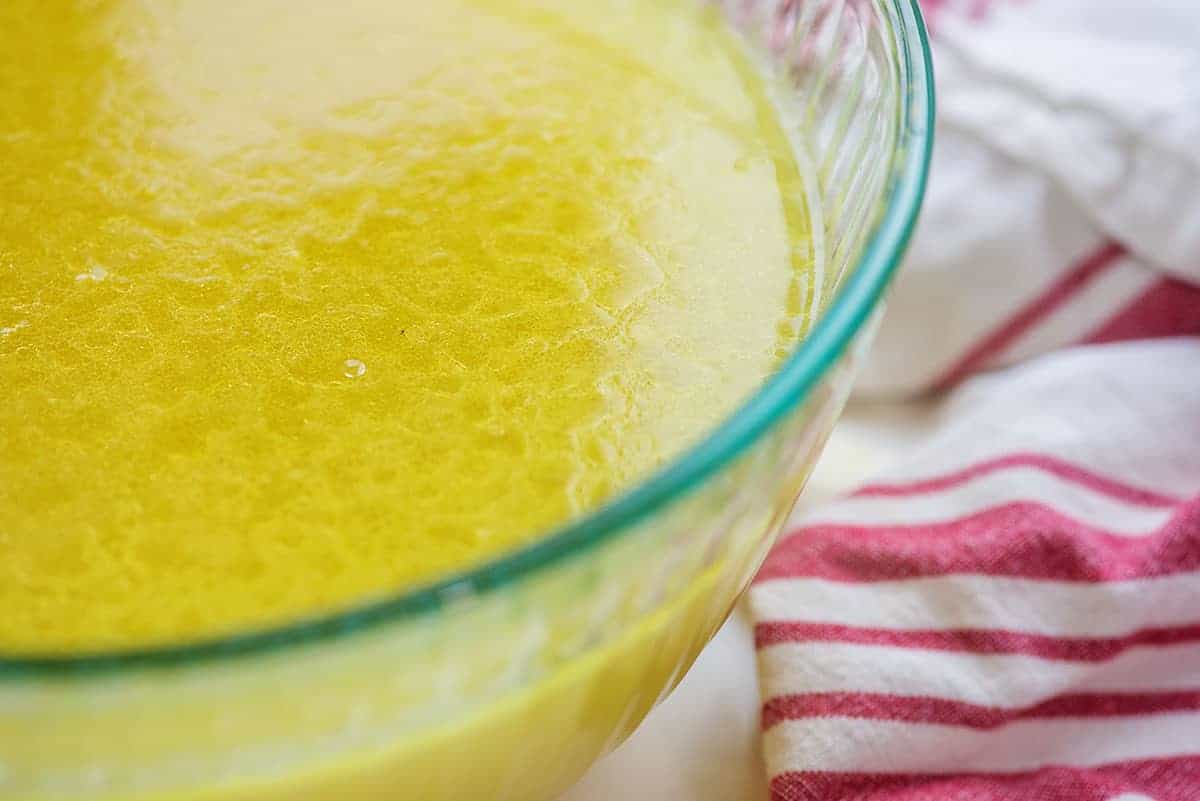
{"x": 610, "y": 609}
{"x": 855, "y": 85}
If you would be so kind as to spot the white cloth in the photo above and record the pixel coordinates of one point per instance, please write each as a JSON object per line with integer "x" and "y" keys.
{"x": 1065, "y": 128}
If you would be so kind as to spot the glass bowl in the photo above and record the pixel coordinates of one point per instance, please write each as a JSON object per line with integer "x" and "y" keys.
{"x": 506, "y": 682}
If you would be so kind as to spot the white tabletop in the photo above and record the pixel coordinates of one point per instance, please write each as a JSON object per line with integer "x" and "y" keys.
{"x": 702, "y": 743}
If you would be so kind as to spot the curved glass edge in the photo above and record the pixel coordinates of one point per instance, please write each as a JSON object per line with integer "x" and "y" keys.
{"x": 829, "y": 338}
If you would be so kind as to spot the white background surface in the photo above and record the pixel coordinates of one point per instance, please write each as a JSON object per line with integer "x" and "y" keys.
{"x": 702, "y": 743}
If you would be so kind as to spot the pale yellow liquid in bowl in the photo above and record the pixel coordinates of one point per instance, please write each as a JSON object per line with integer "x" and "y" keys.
{"x": 306, "y": 303}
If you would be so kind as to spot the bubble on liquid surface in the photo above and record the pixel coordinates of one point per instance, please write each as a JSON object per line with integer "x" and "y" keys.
{"x": 355, "y": 368}
{"x": 94, "y": 273}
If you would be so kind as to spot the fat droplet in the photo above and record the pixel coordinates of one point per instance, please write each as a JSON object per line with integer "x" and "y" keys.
{"x": 355, "y": 368}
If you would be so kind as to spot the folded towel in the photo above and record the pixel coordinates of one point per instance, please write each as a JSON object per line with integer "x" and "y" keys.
{"x": 1064, "y": 206}
{"x": 1013, "y": 611}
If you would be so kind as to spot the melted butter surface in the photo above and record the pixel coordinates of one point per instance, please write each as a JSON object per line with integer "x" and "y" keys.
{"x": 304, "y": 302}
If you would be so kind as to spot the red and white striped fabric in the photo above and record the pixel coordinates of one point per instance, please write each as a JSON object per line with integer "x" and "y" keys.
{"x": 1013, "y": 612}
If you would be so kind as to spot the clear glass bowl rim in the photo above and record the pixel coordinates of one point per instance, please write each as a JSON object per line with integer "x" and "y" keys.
{"x": 832, "y": 333}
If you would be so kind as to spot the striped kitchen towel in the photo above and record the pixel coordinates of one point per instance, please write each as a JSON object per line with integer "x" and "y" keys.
{"x": 1012, "y": 614}
{"x": 1013, "y": 611}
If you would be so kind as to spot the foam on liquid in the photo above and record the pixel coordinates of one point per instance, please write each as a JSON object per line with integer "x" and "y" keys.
{"x": 305, "y": 302}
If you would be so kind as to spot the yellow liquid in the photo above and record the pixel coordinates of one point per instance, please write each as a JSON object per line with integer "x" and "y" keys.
{"x": 306, "y": 302}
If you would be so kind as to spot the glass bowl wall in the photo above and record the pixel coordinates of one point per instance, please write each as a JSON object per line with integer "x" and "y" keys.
{"x": 507, "y": 682}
